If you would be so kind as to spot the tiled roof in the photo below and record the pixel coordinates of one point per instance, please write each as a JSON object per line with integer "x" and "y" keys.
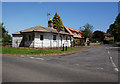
{"x": 71, "y": 30}
{"x": 16, "y": 32}
{"x": 41, "y": 29}
{"x": 107, "y": 35}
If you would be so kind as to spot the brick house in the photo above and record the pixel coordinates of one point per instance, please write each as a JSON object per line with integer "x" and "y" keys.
{"x": 77, "y": 35}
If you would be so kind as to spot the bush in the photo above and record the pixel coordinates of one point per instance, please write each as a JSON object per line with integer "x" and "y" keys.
{"x": 108, "y": 42}
{"x": 6, "y": 43}
{"x": 78, "y": 42}
{"x": 111, "y": 42}
{"x": 95, "y": 40}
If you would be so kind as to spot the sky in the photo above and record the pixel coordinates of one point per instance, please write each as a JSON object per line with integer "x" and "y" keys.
{"x": 60, "y": 0}
{"x": 18, "y": 16}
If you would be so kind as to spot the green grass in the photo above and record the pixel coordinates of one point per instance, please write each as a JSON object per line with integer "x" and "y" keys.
{"x": 0, "y": 49}
{"x": 0, "y": 44}
{"x": 32, "y": 51}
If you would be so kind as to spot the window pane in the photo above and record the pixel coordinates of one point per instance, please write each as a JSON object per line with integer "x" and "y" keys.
{"x": 74, "y": 33}
{"x": 29, "y": 38}
{"x": 70, "y": 38}
{"x": 41, "y": 37}
{"x": 54, "y": 37}
{"x": 66, "y": 38}
{"x": 61, "y": 38}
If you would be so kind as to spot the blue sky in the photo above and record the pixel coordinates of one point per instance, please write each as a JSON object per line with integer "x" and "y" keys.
{"x": 22, "y": 15}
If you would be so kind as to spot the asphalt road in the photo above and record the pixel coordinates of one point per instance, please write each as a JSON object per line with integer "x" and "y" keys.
{"x": 98, "y": 64}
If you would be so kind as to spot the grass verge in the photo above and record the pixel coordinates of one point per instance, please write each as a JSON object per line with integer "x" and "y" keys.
{"x": 33, "y": 51}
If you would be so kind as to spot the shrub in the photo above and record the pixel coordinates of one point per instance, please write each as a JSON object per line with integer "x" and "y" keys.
{"x": 6, "y": 43}
{"x": 108, "y": 42}
{"x": 111, "y": 42}
{"x": 95, "y": 40}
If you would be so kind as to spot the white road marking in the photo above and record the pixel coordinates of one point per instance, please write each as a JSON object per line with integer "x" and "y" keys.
{"x": 77, "y": 64}
{"x": 22, "y": 56}
{"x": 106, "y": 47}
{"x": 113, "y": 63}
{"x": 31, "y": 57}
{"x": 40, "y": 58}
{"x": 114, "y": 47}
{"x": 111, "y": 58}
{"x": 115, "y": 67}
{"x": 99, "y": 68}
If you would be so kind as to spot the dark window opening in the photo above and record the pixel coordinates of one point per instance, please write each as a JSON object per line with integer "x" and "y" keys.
{"x": 70, "y": 38}
{"x": 74, "y": 33}
{"x": 66, "y": 38}
{"x": 61, "y": 38}
{"x": 25, "y": 38}
{"x": 29, "y": 38}
{"x": 54, "y": 37}
{"x": 41, "y": 37}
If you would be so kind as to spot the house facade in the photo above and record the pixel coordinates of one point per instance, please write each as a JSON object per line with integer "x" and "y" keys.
{"x": 76, "y": 33}
{"x": 77, "y": 36}
{"x": 42, "y": 37}
{"x": 108, "y": 37}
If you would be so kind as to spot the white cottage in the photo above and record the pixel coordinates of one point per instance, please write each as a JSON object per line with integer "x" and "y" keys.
{"x": 41, "y": 37}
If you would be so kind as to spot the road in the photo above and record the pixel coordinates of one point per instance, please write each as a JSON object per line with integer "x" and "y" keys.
{"x": 91, "y": 65}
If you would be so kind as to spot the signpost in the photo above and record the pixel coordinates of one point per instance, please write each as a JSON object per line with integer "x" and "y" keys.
{"x": 66, "y": 44}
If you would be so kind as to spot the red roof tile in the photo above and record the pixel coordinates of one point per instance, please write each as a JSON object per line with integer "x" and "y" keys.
{"x": 71, "y": 30}
{"x": 107, "y": 35}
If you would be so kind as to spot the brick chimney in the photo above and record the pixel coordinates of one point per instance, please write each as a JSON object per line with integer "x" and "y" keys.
{"x": 50, "y": 23}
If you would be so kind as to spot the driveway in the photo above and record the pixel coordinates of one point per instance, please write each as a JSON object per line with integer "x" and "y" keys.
{"x": 99, "y": 64}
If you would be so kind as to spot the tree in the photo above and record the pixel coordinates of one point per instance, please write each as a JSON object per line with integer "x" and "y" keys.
{"x": 57, "y": 22}
{"x": 87, "y": 30}
{"x": 4, "y": 33}
{"x": 98, "y": 35}
{"x": 114, "y": 28}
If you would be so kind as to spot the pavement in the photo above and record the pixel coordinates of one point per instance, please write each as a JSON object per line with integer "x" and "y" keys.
{"x": 99, "y": 64}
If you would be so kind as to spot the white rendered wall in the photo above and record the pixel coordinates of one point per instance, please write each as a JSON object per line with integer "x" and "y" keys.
{"x": 45, "y": 43}
{"x": 49, "y": 42}
{"x": 16, "y": 40}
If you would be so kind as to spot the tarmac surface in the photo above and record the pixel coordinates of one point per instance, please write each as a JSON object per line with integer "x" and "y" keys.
{"x": 99, "y": 64}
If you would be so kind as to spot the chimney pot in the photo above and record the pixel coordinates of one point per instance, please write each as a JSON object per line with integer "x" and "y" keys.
{"x": 50, "y": 23}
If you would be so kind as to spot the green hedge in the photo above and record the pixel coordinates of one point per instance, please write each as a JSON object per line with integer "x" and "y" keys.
{"x": 6, "y": 43}
{"x": 95, "y": 40}
{"x": 108, "y": 42}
